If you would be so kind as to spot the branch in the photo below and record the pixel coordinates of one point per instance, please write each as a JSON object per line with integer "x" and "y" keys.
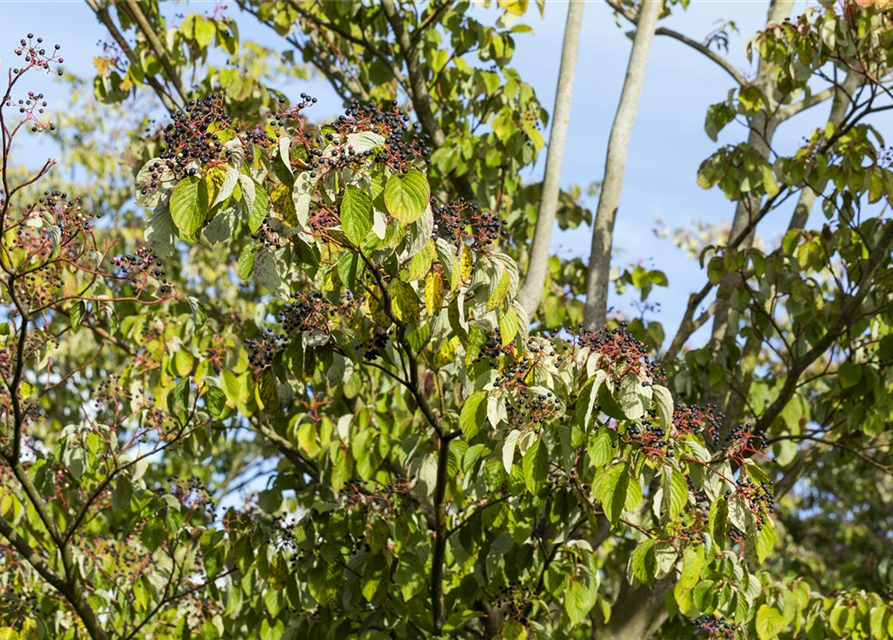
{"x": 841, "y": 325}
{"x": 440, "y": 535}
{"x": 174, "y": 598}
{"x": 33, "y": 558}
{"x": 694, "y": 44}
{"x": 103, "y": 16}
{"x": 532, "y": 292}
{"x": 598, "y": 271}
{"x": 144, "y": 26}
{"x": 418, "y": 86}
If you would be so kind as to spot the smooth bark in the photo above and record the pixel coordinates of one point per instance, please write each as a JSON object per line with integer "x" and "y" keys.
{"x": 532, "y": 291}
{"x": 598, "y": 276}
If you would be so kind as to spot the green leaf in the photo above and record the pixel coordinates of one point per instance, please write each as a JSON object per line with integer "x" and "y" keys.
{"x": 259, "y": 204}
{"x": 77, "y": 313}
{"x": 718, "y": 522}
{"x": 692, "y": 563}
{"x": 509, "y": 324}
{"x": 183, "y": 362}
{"x": 215, "y": 399}
{"x": 675, "y": 493}
{"x": 579, "y": 601}
{"x": 189, "y": 205}
{"x": 246, "y": 260}
{"x": 159, "y": 232}
{"x": 356, "y": 214}
{"x": 406, "y": 195}
{"x": 770, "y": 183}
{"x": 364, "y": 141}
{"x": 876, "y": 623}
{"x": 769, "y": 622}
{"x": 508, "y": 449}
{"x": 765, "y": 540}
{"x": 302, "y": 194}
{"x": 500, "y": 291}
{"x": 474, "y": 414}
{"x": 231, "y": 177}
{"x": 273, "y": 602}
{"x": 664, "y": 400}
{"x": 849, "y": 374}
{"x": 612, "y": 491}
{"x": 600, "y": 450}
{"x": 643, "y": 562}
{"x": 634, "y": 396}
{"x": 535, "y": 466}
{"x": 269, "y": 394}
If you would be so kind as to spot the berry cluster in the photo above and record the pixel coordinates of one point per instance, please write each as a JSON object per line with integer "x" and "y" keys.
{"x": 535, "y": 408}
{"x": 338, "y": 155}
{"x": 464, "y": 222}
{"x": 760, "y": 498}
{"x": 120, "y": 564}
{"x": 321, "y": 219}
{"x": 36, "y": 55}
{"x": 191, "y": 493}
{"x": 693, "y": 419}
{"x": 191, "y": 139}
{"x": 402, "y": 146}
{"x": 14, "y": 605}
{"x": 742, "y": 441}
{"x": 33, "y": 107}
{"x": 561, "y": 478}
{"x": 263, "y": 349}
{"x": 693, "y": 523}
{"x": 493, "y": 350}
{"x": 391, "y": 497}
{"x": 654, "y": 439}
{"x": 292, "y": 113}
{"x": 518, "y": 372}
{"x": 144, "y": 260}
{"x": 514, "y": 601}
{"x": 53, "y": 222}
{"x": 311, "y": 311}
{"x": 620, "y": 353}
{"x": 269, "y": 238}
{"x": 716, "y": 628}
{"x": 35, "y": 342}
{"x": 373, "y": 347}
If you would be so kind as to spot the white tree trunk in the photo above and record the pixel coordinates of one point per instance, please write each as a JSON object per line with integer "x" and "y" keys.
{"x": 598, "y": 279}
{"x": 532, "y": 291}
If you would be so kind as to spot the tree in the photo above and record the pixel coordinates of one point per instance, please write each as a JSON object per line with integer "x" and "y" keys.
{"x": 324, "y": 314}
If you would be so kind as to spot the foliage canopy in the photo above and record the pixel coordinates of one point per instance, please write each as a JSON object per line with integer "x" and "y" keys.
{"x": 327, "y": 310}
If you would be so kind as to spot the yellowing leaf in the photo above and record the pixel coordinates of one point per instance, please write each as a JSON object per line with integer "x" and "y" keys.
{"x": 466, "y": 263}
{"x": 404, "y": 301}
{"x": 284, "y": 206}
{"x": 183, "y": 361}
{"x": 497, "y": 297}
{"x": 433, "y": 293}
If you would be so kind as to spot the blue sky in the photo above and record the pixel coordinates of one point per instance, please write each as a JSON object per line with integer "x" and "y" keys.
{"x": 668, "y": 142}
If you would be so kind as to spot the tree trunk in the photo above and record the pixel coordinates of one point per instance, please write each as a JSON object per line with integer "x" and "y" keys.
{"x": 638, "y": 613}
{"x": 532, "y": 291}
{"x": 762, "y": 130}
{"x": 598, "y": 277}
{"x": 735, "y": 407}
